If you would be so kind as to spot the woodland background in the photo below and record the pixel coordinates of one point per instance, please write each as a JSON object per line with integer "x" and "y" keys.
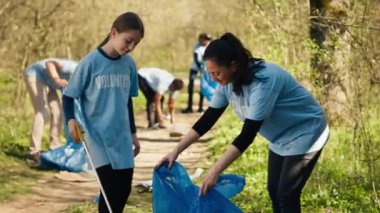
{"x": 331, "y": 46}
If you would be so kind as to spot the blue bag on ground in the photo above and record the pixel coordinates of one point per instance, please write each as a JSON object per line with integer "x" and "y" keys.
{"x": 69, "y": 157}
{"x": 213, "y": 201}
{"x": 173, "y": 191}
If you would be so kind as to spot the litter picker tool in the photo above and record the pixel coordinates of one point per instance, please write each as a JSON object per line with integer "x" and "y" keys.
{"x": 81, "y": 138}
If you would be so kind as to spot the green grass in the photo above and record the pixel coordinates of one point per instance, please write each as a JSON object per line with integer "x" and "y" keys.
{"x": 15, "y": 177}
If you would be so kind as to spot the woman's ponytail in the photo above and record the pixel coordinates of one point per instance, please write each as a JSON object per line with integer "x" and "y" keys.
{"x": 227, "y": 49}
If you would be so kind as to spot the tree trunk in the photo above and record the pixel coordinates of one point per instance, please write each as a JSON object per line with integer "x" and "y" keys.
{"x": 332, "y": 51}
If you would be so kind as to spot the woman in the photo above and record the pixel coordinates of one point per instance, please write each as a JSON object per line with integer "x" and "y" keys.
{"x": 270, "y": 102}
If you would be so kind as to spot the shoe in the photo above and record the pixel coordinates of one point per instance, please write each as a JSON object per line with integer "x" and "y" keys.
{"x": 33, "y": 159}
{"x": 188, "y": 110}
{"x": 154, "y": 126}
{"x": 200, "y": 110}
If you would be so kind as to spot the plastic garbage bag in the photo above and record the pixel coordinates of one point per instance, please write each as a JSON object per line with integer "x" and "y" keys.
{"x": 213, "y": 201}
{"x": 69, "y": 157}
{"x": 173, "y": 191}
{"x": 230, "y": 185}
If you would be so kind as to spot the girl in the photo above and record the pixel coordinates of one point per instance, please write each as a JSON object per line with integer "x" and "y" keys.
{"x": 104, "y": 82}
{"x": 270, "y": 102}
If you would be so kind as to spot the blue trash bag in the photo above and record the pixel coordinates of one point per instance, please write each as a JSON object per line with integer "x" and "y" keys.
{"x": 208, "y": 86}
{"x": 230, "y": 185}
{"x": 173, "y": 191}
{"x": 69, "y": 157}
{"x": 213, "y": 201}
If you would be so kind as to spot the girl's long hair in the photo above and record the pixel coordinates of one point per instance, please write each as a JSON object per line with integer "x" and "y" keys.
{"x": 124, "y": 22}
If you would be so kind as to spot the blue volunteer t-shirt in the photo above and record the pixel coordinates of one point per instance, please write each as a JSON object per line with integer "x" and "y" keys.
{"x": 103, "y": 86}
{"x": 293, "y": 119}
{"x": 38, "y": 70}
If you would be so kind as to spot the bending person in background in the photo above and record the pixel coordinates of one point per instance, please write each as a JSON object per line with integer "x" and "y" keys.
{"x": 270, "y": 102}
{"x": 154, "y": 83}
{"x": 43, "y": 79}
{"x": 199, "y": 47}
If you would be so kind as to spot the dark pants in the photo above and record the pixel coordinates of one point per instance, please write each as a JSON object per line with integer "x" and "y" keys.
{"x": 287, "y": 175}
{"x": 149, "y": 96}
{"x": 117, "y": 186}
{"x": 192, "y": 77}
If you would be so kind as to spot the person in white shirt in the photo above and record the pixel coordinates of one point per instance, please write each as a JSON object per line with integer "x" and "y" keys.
{"x": 154, "y": 83}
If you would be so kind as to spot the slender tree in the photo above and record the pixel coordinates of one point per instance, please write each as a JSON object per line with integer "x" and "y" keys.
{"x": 332, "y": 47}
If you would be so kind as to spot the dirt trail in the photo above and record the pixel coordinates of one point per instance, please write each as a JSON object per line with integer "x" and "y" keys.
{"x": 53, "y": 195}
